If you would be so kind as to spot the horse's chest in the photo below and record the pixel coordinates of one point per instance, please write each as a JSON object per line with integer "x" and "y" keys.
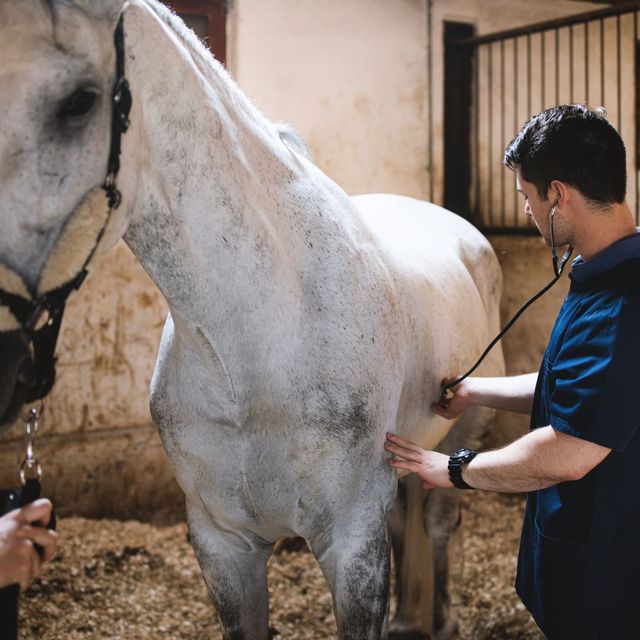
{"x": 246, "y": 479}
{"x": 266, "y": 458}
{"x": 242, "y": 481}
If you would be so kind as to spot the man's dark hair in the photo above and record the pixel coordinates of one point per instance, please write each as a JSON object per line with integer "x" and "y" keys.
{"x": 573, "y": 144}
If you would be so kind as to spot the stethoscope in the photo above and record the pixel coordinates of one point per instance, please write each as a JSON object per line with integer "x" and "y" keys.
{"x": 558, "y": 268}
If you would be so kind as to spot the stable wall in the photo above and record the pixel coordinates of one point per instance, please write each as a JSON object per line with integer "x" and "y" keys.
{"x": 99, "y": 449}
{"x": 351, "y": 76}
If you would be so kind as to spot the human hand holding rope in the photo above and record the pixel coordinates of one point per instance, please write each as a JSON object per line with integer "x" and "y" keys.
{"x": 21, "y": 532}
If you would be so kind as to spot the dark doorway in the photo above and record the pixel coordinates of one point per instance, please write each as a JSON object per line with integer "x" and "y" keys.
{"x": 208, "y": 19}
{"x": 458, "y": 70}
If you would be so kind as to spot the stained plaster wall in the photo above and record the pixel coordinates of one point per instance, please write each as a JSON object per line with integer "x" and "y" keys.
{"x": 100, "y": 453}
{"x": 351, "y": 77}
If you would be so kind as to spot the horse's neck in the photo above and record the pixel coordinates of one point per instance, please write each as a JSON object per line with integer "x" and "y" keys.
{"x": 221, "y": 204}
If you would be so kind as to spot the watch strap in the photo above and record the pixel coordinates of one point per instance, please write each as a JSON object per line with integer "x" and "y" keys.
{"x": 457, "y": 462}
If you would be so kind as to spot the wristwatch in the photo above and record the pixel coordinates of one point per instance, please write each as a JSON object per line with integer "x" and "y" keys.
{"x": 457, "y": 460}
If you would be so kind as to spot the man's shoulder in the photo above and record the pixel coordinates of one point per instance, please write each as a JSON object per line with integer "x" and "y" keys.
{"x": 601, "y": 313}
{"x": 621, "y": 280}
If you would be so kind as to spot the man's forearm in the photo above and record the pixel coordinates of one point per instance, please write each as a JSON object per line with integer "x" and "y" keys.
{"x": 514, "y": 393}
{"x": 538, "y": 460}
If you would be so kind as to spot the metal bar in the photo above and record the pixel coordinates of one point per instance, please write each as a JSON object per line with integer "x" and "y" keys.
{"x": 628, "y": 7}
{"x": 557, "y": 68}
{"x": 571, "y": 64}
{"x": 586, "y": 62}
{"x": 528, "y": 76}
{"x": 490, "y": 122}
{"x": 542, "y": 71}
{"x": 619, "y": 70}
{"x": 602, "y": 63}
{"x": 515, "y": 114}
{"x": 529, "y": 114}
{"x": 530, "y": 230}
{"x": 502, "y": 131}
{"x": 430, "y": 99}
{"x": 476, "y": 107}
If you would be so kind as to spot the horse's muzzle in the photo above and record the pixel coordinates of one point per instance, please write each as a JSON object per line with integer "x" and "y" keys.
{"x": 17, "y": 375}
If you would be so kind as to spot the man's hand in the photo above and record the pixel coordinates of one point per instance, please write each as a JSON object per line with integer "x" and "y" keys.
{"x": 512, "y": 393}
{"x": 431, "y": 466}
{"x": 19, "y": 531}
{"x": 456, "y": 402}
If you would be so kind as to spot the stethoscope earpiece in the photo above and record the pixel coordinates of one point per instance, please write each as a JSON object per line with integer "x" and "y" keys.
{"x": 558, "y": 265}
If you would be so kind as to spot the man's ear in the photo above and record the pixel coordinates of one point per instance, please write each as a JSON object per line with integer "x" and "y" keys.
{"x": 558, "y": 193}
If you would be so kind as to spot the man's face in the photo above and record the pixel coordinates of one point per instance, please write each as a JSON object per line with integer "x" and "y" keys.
{"x": 535, "y": 207}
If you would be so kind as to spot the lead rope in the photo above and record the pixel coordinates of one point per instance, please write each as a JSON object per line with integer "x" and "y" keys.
{"x": 446, "y": 393}
{"x": 30, "y": 474}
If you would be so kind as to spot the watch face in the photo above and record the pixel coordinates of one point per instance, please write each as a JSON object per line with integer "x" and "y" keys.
{"x": 463, "y": 454}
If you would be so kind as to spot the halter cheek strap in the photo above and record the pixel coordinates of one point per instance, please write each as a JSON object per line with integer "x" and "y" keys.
{"x": 66, "y": 267}
{"x": 64, "y": 271}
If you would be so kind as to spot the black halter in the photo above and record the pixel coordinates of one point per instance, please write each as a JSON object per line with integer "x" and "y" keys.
{"x": 29, "y": 313}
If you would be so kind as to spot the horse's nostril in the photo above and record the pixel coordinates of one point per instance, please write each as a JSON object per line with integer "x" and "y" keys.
{"x": 27, "y": 374}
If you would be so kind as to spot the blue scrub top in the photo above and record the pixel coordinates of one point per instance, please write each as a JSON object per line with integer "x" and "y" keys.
{"x": 579, "y": 562}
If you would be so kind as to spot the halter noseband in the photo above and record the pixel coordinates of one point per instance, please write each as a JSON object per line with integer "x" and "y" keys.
{"x": 20, "y": 310}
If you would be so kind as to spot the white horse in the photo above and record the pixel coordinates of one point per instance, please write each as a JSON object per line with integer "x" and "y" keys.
{"x": 303, "y": 324}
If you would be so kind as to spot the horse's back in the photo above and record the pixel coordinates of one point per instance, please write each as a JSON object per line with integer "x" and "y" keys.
{"x": 423, "y": 240}
{"x": 416, "y": 234}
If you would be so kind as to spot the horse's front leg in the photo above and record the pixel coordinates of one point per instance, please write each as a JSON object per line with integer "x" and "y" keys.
{"x": 235, "y": 571}
{"x": 355, "y": 559}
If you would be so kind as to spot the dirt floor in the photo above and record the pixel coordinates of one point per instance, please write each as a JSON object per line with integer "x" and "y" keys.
{"x": 133, "y": 581}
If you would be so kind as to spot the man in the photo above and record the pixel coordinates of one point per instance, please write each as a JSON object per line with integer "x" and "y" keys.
{"x": 579, "y": 558}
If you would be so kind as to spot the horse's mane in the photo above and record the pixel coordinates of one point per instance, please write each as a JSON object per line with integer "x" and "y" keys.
{"x": 212, "y": 69}
{"x": 200, "y": 53}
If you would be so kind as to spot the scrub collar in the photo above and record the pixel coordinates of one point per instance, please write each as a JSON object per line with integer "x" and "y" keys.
{"x": 620, "y": 251}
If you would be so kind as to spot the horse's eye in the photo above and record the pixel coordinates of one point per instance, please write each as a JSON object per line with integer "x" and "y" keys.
{"x": 78, "y": 104}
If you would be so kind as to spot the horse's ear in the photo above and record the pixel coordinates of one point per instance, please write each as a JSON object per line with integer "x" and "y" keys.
{"x": 109, "y": 9}
{"x": 101, "y": 9}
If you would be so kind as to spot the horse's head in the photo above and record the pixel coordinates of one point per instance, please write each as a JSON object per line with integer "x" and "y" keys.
{"x": 57, "y": 82}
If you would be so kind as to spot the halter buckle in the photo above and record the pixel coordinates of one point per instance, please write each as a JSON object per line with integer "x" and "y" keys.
{"x": 31, "y": 469}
